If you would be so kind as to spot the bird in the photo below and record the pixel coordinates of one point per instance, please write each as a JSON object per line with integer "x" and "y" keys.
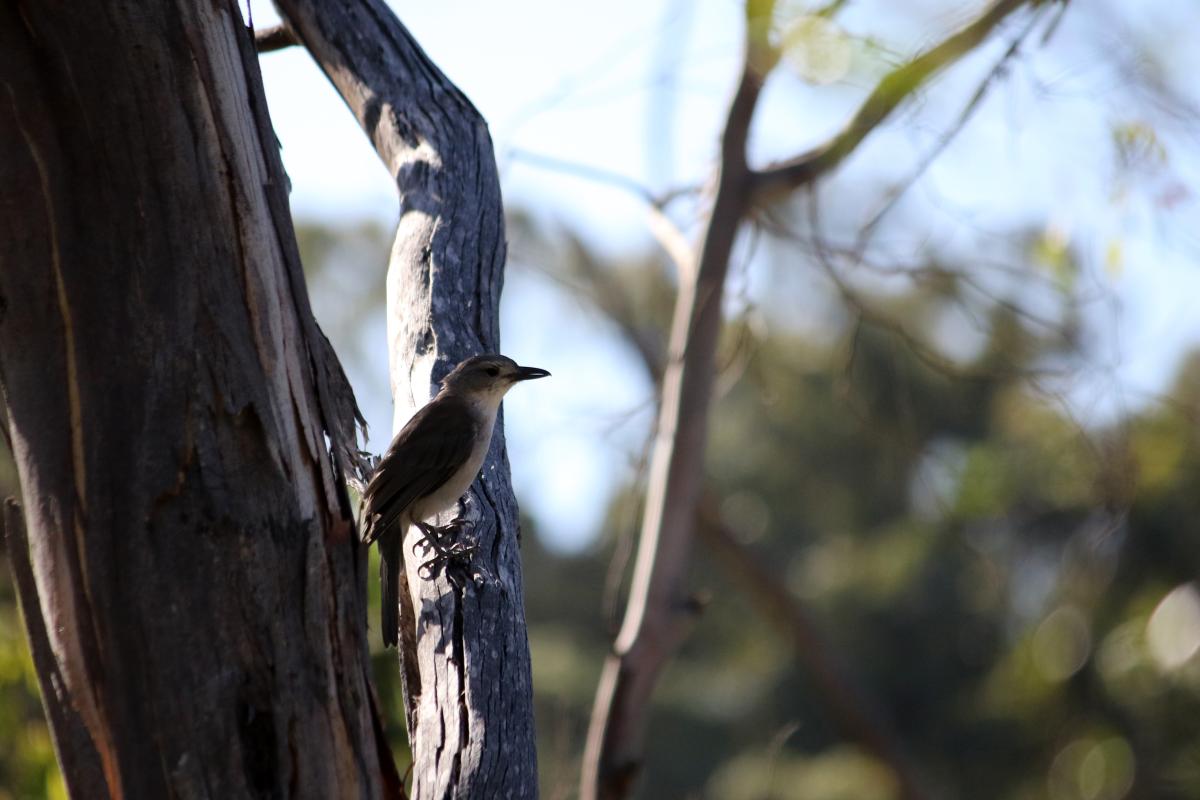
{"x": 430, "y": 465}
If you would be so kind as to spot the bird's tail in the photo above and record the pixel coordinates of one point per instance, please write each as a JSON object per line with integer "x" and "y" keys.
{"x": 390, "y": 564}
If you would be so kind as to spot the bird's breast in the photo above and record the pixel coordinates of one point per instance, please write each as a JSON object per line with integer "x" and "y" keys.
{"x": 453, "y": 489}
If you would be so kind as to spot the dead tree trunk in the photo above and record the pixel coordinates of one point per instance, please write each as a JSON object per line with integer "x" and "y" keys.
{"x": 470, "y": 709}
{"x": 191, "y": 581}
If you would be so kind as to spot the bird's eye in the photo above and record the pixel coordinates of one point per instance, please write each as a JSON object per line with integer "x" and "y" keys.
{"x": 493, "y": 371}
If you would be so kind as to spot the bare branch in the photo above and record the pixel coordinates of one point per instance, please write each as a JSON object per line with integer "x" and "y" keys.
{"x": 587, "y": 171}
{"x": 830, "y": 9}
{"x": 853, "y": 710}
{"x": 668, "y": 235}
{"x": 658, "y": 611}
{"x": 964, "y": 116}
{"x": 279, "y": 37}
{"x": 893, "y": 89}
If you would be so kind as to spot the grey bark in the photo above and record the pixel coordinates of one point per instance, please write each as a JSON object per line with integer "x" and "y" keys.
{"x": 467, "y": 672}
{"x": 191, "y": 579}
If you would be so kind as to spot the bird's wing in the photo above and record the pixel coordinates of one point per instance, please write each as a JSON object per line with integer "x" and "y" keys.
{"x": 424, "y": 455}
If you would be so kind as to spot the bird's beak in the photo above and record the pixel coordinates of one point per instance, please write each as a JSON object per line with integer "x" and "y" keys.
{"x": 529, "y": 373}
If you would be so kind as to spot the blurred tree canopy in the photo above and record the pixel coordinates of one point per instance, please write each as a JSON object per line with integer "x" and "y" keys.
{"x": 991, "y": 570}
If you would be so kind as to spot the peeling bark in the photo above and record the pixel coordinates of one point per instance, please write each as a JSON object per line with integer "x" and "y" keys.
{"x": 192, "y": 586}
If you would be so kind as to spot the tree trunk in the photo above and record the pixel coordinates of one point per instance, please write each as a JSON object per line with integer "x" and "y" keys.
{"x": 193, "y": 586}
{"x": 468, "y": 682}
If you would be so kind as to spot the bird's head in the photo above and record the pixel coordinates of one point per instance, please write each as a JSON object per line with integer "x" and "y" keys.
{"x": 486, "y": 378}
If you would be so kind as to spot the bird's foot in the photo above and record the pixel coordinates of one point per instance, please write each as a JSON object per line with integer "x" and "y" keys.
{"x": 447, "y": 542}
{"x": 440, "y": 538}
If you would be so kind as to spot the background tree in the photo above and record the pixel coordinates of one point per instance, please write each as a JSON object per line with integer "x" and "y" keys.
{"x": 658, "y": 608}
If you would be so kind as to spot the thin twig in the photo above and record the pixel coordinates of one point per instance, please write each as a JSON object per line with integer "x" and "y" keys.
{"x": 964, "y": 116}
{"x": 854, "y": 300}
{"x": 280, "y": 37}
{"x": 893, "y": 89}
{"x": 626, "y": 539}
{"x": 830, "y": 9}
{"x": 668, "y": 235}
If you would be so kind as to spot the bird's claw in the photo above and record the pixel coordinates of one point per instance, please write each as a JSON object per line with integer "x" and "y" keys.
{"x": 435, "y": 537}
{"x": 458, "y": 553}
{"x": 447, "y": 542}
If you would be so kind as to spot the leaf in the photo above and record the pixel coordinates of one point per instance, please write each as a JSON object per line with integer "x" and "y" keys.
{"x": 1114, "y": 258}
{"x": 818, "y": 49}
{"x": 1052, "y": 249}
{"x": 1138, "y": 145}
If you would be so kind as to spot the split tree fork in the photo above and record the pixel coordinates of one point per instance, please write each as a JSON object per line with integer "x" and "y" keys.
{"x": 185, "y": 553}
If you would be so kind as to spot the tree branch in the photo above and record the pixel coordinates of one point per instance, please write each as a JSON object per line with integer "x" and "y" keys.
{"x": 668, "y": 235}
{"x": 658, "y": 610}
{"x": 850, "y": 707}
{"x": 893, "y": 89}
{"x": 279, "y": 37}
{"x": 830, "y": 9}
{"x": 976, "y": 100}
{"x": 464, "y": 650}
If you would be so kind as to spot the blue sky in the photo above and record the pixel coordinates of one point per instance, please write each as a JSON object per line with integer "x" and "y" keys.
{"x": 639, "y": 89}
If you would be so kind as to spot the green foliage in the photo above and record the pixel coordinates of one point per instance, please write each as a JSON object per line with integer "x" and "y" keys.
{"x": 980, "y": 563}
{"x": 839, "y": 774}
{"x": 27, "y": 765}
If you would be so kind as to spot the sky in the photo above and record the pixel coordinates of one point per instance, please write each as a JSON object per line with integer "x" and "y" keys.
{"x": 638, "y": 89}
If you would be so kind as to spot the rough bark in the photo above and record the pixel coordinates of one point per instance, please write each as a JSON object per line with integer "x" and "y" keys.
{"x": 193, "y": 587}
{"x": 468, "y": 683}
